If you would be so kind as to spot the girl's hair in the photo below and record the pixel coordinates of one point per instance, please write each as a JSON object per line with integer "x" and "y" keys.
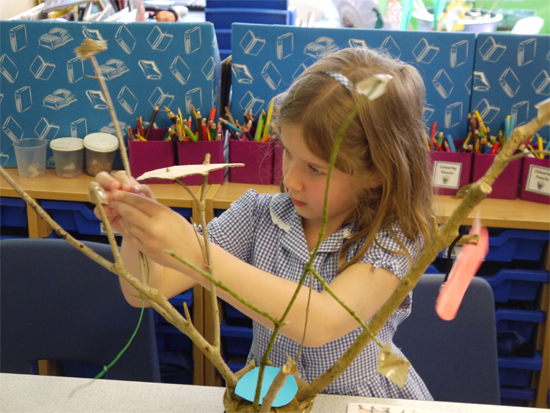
{"x": 387, "y": 136}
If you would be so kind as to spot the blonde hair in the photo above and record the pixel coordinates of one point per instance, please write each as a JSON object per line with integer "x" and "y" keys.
{"x": 387, "y": 137}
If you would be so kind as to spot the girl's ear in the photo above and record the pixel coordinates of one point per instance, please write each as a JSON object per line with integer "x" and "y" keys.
{"x": 374, "y": 180}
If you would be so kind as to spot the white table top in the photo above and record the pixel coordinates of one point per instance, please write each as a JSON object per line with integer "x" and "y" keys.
{"x": 21, "y": 393}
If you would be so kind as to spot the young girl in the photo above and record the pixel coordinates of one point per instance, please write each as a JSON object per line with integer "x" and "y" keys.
{"x": 378, "y": 219}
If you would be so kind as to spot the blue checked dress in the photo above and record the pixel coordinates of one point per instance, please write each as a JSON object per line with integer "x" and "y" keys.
{"x": 266, "y": 232}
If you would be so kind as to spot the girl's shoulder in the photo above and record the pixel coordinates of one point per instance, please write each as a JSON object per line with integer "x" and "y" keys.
{"x": 255, "y": 204}
{"x": 387, "y": 250}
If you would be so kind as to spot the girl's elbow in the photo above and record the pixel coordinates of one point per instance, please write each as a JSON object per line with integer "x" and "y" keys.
{"x": 135, "y": 302}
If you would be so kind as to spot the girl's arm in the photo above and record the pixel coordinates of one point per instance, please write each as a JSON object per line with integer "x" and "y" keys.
{"x": 153, "y": 228}
{"x": 167, "y": 280}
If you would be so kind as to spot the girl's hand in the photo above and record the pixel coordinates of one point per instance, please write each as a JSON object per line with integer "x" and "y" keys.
{"x": 119, "y": 181}
{"x": 153, "y": 227}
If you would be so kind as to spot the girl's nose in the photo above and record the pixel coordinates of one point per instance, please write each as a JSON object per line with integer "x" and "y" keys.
{"x": 292, "y": 180}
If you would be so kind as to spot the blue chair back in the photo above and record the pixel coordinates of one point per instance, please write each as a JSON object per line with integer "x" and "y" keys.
{"x": 457, "y": 359}
{"x": 58, "y": 304}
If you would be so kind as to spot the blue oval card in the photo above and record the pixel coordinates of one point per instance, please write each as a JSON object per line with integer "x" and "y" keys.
{"x": 246, "y": 386}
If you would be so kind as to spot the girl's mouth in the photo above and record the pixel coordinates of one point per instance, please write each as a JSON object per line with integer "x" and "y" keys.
{"x": 298, "y": 203}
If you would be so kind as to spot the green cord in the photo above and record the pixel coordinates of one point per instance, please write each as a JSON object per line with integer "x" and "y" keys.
{"x": 106, "y": 368}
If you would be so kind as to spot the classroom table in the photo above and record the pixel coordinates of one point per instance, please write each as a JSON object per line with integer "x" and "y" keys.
{"x": 22, "y": 393}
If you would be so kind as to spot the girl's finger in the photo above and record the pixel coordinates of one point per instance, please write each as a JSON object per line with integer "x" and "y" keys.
{"x": 144, "y": 204}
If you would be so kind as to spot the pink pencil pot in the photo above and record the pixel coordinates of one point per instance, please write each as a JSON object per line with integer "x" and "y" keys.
{"x": 258, "y": 162}
{"x": 150, "y": 155}
{"x": 277, "y": 163}
{"x": 535, "y": 180}
{"x": 450, "y": 171}
{"x": 193, "y": 153}
{"x": 506, "y": 185}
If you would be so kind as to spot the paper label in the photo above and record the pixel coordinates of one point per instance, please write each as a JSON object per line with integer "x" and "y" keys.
{"x": 538, "y": 180}
{"x": 447, "y": 174}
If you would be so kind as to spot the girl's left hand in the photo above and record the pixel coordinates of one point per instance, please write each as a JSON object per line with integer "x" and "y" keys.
{"x": 154, "y": 227}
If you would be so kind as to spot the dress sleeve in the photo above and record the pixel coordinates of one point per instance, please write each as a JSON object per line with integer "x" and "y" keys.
{"x": 387, "y": 253}
{"x": 235, "y": 229}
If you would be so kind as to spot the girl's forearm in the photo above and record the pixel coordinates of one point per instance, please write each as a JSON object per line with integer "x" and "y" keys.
{"x": 130, "y": 257}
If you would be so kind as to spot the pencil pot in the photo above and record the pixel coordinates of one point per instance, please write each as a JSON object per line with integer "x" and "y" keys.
{"x": 193, "y": 153}
{"x": 277, "y": 163}
{"x": 152, "y": 154}
{"x": 450, "y": 171}
{"x": 535, "y": 180}
{"x": 506, "y": 185}
{"x": 258, "y": 162}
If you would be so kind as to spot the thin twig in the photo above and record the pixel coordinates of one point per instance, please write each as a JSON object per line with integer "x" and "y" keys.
{"x": 348, "y": 308}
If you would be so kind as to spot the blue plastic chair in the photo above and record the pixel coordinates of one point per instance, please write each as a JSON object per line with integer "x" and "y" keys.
{"x": 457, "y": 359}
{"x": 57, "y": 304}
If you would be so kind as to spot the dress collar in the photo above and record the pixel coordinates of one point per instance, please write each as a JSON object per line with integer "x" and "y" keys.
{"x": 284, "y": 215}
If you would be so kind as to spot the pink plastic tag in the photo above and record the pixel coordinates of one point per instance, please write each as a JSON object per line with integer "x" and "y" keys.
{"x": 463, "y": 271}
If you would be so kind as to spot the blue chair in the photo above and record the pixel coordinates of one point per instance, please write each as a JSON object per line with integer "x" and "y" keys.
{"x": 57, "y": 304}
{"x": 457, "y": 359}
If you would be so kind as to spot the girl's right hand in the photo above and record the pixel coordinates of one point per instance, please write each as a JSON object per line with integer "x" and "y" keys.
{"x": 119, "y": 181}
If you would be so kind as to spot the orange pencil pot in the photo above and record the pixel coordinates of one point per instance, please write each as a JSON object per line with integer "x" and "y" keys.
{"x": 506, "y": 185}
{"x": 450, "y": 170}
{"x": 151, "y": 154}
{"x": 535, "y": 180}
{"x": 277, "y": 163}
{"x": 258, "y": 162}
{"x": 193, "y": 153}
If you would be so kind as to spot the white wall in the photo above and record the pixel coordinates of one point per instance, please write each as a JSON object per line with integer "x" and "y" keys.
{"x": 11, "y": 8}
{"x": 321, "y": 8}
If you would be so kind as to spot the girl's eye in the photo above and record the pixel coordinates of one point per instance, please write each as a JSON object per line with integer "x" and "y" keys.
{"x": 315, "y": 170}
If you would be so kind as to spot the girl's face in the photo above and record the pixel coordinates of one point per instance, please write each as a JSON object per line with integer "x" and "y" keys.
{"x": 305, "y": 177}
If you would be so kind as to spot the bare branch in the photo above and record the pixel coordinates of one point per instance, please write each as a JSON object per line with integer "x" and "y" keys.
{"x": 289, "y": 369}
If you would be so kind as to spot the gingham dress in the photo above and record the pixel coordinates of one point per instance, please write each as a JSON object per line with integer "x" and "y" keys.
{"x": 266, "y": 232}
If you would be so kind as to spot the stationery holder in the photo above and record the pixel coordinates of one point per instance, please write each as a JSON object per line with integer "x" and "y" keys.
{"x": 193, "y": 153}
{"x": 535, "y": 180}
{"x": 152, "y": 154}
{"x": 450, "y": 171}
{"x": 506, "y": 185}
{"x": 258, "y": 162}
{"x": 278, "y": 151}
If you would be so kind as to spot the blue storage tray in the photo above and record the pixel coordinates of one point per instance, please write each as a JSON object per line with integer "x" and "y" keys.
{"x": 517, "y": 244}
{"x": 13, "y": 212}
{"x": 223, "y": 17}
{"x": 225, "y": 53}
{"x": 516, "y": 284}
{"x": 520, "y": 394}
{"x": 521, "y": 321}
{"x": 177, "y": 302}
{"x": 224, "y": 39}
{"x": 73, "y": 216}
{"x": 80, "y": 217}
{"x": 257, "y": 4}
{"x": 173, "y": 340}
{"x": 236, "y": 340}
{"x": 517, "y": 371}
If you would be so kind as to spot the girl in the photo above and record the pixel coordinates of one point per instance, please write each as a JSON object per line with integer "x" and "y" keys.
{"x": 378, "y": 219}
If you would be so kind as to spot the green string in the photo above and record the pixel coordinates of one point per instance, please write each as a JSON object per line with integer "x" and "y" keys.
{"x": 106, "y": 368}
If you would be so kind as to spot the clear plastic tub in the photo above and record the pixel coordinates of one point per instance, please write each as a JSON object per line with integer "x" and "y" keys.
{"x": 68, "y": 154}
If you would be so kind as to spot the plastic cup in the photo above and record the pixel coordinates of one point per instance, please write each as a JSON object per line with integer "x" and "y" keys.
{"x": 31, "y": 157}
{"x": 100, "y": 152}
{"x": 68, "y": 154}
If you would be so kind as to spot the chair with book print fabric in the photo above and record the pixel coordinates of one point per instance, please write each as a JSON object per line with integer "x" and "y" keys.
{"x": 59, "y": 305}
